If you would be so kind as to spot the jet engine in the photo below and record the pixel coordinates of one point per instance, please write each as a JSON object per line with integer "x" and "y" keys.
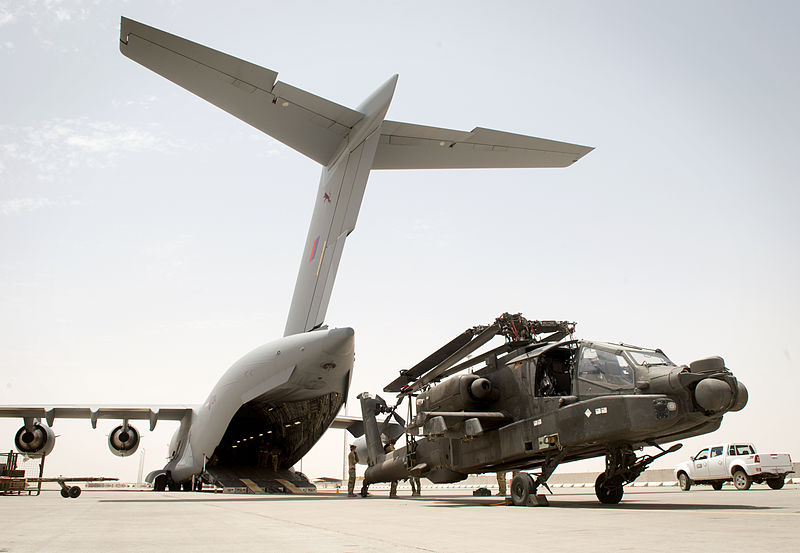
{"x": 123, "y": 440}
{"x": 37, "y": 442}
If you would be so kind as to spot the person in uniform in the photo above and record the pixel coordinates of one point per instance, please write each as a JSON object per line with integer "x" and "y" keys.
{"x": 415, "y": 486}
{"x": 501, "y": 481}
{"x": 393, "y": 486}
{"x": 352, "y": 459}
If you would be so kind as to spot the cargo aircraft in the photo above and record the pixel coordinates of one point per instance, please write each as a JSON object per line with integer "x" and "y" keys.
{"x": 273, "y": 404}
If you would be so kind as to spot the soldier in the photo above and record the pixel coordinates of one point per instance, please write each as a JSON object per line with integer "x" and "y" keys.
{"x": 501, "y": 481}
{"x": 415, "y": 486}
{"x": 393, "y": 487}
{"x": 352, "y": 459}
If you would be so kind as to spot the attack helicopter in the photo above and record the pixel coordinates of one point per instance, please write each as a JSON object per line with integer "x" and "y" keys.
{"x": 541, "y": 399}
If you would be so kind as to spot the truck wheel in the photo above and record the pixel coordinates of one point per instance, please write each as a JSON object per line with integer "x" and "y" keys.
{"x": 608, "y": 491}
{"x": 684, "y": 482}
{"x": 521, "y": 487}
{"x": 741, "y": 480}
{"x": 775, "y": 483}
{"x": 716, "y": 485}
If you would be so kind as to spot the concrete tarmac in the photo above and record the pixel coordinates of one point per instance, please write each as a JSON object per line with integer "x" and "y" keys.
{"x": 448, "y": 522}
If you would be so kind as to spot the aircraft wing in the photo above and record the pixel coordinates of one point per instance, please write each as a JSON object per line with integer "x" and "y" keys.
{"x": 311, "y": 125}
{"x": 353, "y": 424}
{"x": 93, "y": 413}
{"x": 60, "y": 479}
{"x": 409, "y": 146}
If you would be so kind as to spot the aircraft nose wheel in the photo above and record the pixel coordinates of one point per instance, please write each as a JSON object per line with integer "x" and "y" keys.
{"x": 608, "y": 490}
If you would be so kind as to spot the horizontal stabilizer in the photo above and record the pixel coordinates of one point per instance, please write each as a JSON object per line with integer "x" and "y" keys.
{"x": 409, "y": 146}
{"x": 311, "y": 125}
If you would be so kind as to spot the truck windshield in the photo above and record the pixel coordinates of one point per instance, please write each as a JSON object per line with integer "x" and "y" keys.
{"x": 648, "y": 358}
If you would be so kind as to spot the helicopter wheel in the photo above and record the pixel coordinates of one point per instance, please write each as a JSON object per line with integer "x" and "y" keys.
{"x": 608, "y": 490}
{"x": 521, "y": 488}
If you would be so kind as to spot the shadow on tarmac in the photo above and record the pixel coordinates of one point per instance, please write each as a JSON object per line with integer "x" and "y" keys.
{"x": 632, "y": 503}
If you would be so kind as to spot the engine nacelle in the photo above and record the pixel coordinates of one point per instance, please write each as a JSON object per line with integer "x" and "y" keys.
{"x": 35, "y": 443}
{"x": 123, "y": 440}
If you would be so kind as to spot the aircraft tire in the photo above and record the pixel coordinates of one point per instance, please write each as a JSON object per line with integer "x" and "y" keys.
{"x": 608, "y": 491}
{"x": 198, "y": 485}
{"x": 173, "y": 486}
{"x": 521, "y": 487}
{"x": 187, "y": 486}
{"x": 716, "y": 485}
{"x": 65, "y": 493}
{"x": 160, "y": 483}
{"x": 775, "y": 483}
{"x": 74, "y": 492}
{"x": 684, "y": 482}
{"x": 741, "y": 480}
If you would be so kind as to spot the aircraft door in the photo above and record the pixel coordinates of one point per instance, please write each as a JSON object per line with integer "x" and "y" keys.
{"x": 716, "y": 463}
{"x": 700, "y": 471}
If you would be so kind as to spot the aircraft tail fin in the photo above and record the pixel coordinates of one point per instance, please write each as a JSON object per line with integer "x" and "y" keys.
{"x": 311, "y": 125}
{"x": 347, "y": 142}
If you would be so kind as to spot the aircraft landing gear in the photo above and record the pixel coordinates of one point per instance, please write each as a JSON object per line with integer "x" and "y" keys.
{"x": 608, "y": 490}
{"x": 160, "y": 483}
{"x": 622, "y": 467}
{"x": 524, "y": 488}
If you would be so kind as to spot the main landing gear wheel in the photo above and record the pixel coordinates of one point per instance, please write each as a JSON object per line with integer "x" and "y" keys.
{"x": 173, "y": 486}
{"x": 521, "y": 488}
{"x": 716, "y": 485}
{"x": 160, "y": 483}
{"x": 775, "y": 483}
{"x": 608, "y": 490}
{"x": 65, "y": 493}
{"x": 741, "y": 480}
{"x": 187, "y": 486}
{"x": 684, "y": 482}
{"x": 74, "y": 492}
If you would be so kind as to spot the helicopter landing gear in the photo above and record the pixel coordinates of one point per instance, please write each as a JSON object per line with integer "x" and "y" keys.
{"x": 608, "y": 490}
{"x": 623, "y": 467}
{"x": 524, "y": 487}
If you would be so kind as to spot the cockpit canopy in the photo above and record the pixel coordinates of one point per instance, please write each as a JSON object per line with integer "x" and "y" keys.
{"x": 611, "y": 369}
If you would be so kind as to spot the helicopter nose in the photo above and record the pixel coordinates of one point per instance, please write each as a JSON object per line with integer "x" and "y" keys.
{"x": 713, "y": 395}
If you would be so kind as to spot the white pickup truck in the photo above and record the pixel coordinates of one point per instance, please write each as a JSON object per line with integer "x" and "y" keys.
{"x": 737, "y": 462}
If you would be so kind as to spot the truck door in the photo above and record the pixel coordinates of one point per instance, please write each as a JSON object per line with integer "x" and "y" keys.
{"x": 700, "y": 466}
{"x": 716, "y": 463}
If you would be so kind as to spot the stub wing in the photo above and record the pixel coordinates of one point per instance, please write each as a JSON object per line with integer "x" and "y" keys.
{"x": 49, "y": 413}
{"x": 409, "y": 146}
{"x": 310, "y": 124}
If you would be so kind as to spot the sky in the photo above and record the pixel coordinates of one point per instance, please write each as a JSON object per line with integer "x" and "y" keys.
{"x": 148, "y": 239}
